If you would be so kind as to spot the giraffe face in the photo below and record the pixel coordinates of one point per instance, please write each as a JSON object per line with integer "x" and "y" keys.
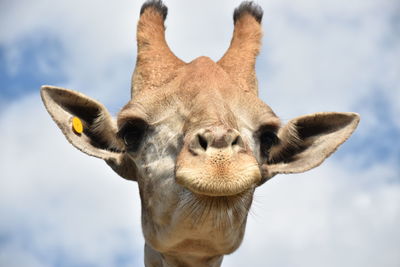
{"x": 200, "y": 129}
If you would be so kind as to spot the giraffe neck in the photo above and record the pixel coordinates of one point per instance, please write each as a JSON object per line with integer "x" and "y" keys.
{"x": 154, "y": 258}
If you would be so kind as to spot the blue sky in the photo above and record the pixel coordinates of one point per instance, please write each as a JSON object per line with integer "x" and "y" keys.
{"x": 60, "y": 207}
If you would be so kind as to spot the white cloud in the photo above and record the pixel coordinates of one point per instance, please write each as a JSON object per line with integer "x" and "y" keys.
{"x": 331, "y": 55}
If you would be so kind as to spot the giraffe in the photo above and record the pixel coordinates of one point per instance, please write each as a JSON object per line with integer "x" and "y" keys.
{"x": 196, "y": 138}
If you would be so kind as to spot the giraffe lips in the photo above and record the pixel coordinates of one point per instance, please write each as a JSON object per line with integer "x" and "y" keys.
{"x": 215, "y": 188}
{"x": 224, "y": 179}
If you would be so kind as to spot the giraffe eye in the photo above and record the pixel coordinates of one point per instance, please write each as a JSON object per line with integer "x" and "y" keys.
{"x": 267, "y": 139}
{"x": 132, "y": 133}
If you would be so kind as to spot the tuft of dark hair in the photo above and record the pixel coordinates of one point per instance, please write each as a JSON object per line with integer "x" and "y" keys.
{"x": 158, "y": 5}
{"x": 248, "y": 7}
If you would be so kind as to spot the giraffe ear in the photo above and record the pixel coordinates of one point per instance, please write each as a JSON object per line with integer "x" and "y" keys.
{"x": 97, "y": 137}
{"x": 305, "y": 142}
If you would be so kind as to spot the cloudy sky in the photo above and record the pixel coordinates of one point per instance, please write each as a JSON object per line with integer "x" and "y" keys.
{"x": 59, "y": 207}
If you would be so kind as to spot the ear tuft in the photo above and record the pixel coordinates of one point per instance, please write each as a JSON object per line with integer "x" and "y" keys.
{"x": 248, "y": 7}
{"x": 157, "y": 5}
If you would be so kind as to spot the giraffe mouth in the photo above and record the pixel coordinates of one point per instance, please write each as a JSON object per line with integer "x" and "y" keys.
{"x": 206, "y": 184}
{"x": 225, "y": 177}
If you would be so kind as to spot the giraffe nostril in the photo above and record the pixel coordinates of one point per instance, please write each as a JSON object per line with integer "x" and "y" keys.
{"x": 202, "y": 141}
{"x": 236, "y": 141}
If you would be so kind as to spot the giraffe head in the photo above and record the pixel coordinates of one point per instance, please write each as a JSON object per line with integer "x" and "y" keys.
{"x": 197, "y": 130}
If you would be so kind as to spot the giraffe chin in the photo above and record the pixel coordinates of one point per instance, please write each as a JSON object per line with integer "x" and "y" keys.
{"x": 202, "y": 182}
